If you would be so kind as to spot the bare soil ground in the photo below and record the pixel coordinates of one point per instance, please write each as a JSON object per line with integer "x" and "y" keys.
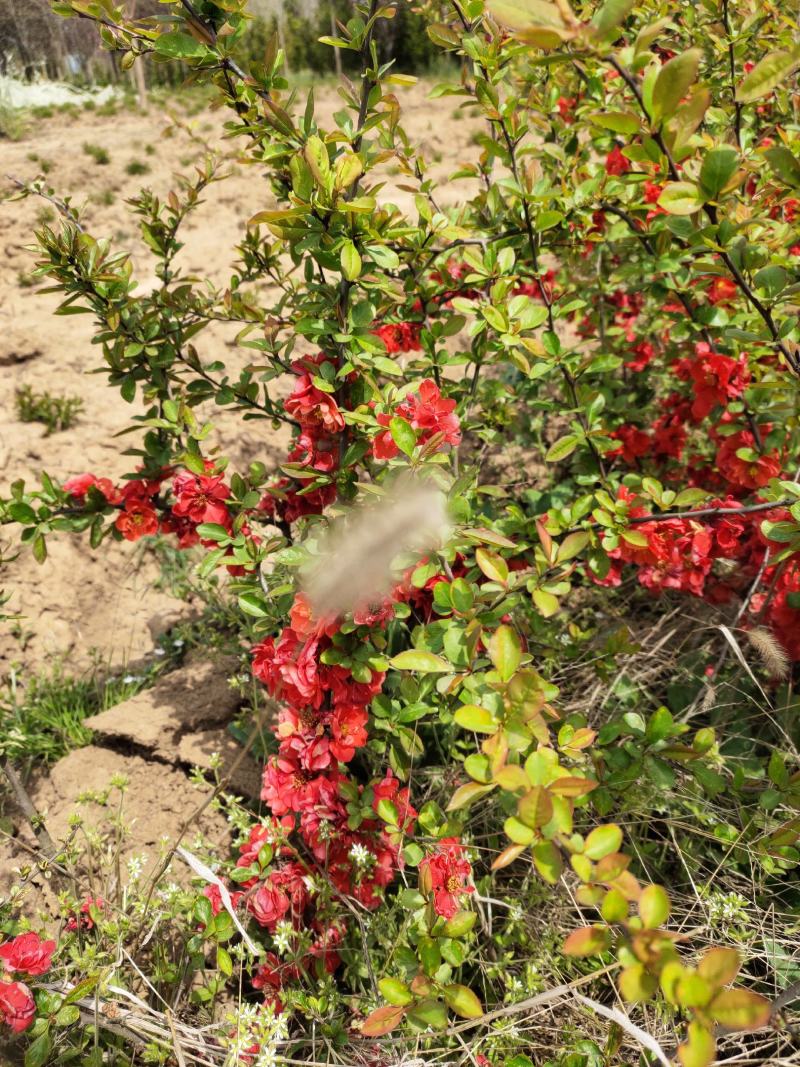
{"x": 80, "y": 607}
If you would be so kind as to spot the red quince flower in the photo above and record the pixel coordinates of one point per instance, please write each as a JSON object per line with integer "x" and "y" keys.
{"x": 137, "y": 520}
{"x": 17, "y": 1006}
{"x": 284, "y": 893}
{"x": 742, "y": 465}
{"x": 28, "y": 954}
{"x": 446, "y": 875}
{"x": 616, "y": 163}
{"x": 201, "y": 498}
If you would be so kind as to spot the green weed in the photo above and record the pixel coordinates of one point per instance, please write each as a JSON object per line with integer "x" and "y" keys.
{"x": 98, "y": 153}
{"x": 56, "y": 412}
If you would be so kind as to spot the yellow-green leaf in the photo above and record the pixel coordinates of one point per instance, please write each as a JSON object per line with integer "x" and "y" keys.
{"x": 350, "y": 260}
{"x": 654, "y": 906}
{"x": 505, "y": 651}
{"x": 463, "y": 1001}
{"x": 699, "y": 1049}
{"x": 473, "y": 717}
{"x": 536, "y": 22}
{"x": 588, "y": 941}
{"x": 492, "y": 564}
{"x": 766, "y": 75}
{"x": 680, "y": 198}
{"x": 465, "y": 794}
{"x": 720, "y": 966}
{"x": 740, "y": 1009}
{"x": 546, "y": 603}
{"x": 602, "y": 841}
{"x": 674, "y": 80}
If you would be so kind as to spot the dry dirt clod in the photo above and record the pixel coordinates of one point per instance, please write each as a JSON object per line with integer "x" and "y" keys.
{"x": 195, "y": 697}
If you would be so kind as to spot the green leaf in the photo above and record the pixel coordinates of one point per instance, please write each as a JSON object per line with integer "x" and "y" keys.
{"x": 388, "y": 812}
{"x": 179, "y": 45}
{"x": 680, "y": 198}
{"x": 772, "y": 280}
{"x": 572, "y": 546}
{"x": 461, "y": 923}
{"x": 430, "y": 955}
{"x": 443, "y": 36}
{"x": 610, "y": 15}
{"x": 719, "y": 166}
{"x": 39, "y": 548}
{"x": 36, "y": 1055}
{"x": 548, "y": 862}
{"x": 422, "y": 662}
{"x": 546, "y": 603}
{"x": 316, "y": 156}
{"x": 403, "y": 435}
{"x": 350, "y": 260}
{"x": 21, "y": 512}
{"x": 212, "y": 531}
{"x": 82, "y": 989}
{"x": 624, "y": 122}
{"x": 461, "y": 595}
{"x": 784, "y": 164}
{"x": 766, "y": 75}
{"x": 252, "y": 603}
{"x": 68, "y": 1015}
{"x": 429, "y": 1013}
{"x": 465, "y": 794}
{"x": 562, "y": 448}
{"x": 546, "y": 220}
{"x": 674, "y": 80}
{"x": 535, "y": 808}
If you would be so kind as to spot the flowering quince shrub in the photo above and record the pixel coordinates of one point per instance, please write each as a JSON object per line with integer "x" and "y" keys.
{"x": 618, "y": 294}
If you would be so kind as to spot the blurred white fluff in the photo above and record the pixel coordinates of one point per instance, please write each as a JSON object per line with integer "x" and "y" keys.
{"x": 353, "y": 569}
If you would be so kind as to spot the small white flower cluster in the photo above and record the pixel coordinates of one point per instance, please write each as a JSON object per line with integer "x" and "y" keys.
{"x": 135, "y": 867}
{"x": 727, "y": 908}
{"x": 283, "y": 936}
{"x": 257, "y": 1037}
{"x": 169, "y": 892}
{"x": 362, "y": 858}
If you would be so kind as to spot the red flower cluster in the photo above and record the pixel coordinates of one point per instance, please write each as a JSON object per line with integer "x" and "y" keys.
{"x": 400, "y": 336}
{"x": 742, "y": 465}
{"x": 680, "y": 554}
{"x": 83, "y": 920}
{"x": 616, "y": 163}
{"x": 316, "y": 447}
{"x": 28, "y": 955}
{"x": 716, "y": 378}
{"x": 321, "y": 725}
{"x": 427, "y": 412}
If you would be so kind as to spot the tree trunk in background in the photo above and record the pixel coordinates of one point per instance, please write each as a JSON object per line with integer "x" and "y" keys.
{"x": 337, "y": 56}
{"x": 282, "y": 42}
{"x": 137, "y": 70}
{"x": 137, "y": 74}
